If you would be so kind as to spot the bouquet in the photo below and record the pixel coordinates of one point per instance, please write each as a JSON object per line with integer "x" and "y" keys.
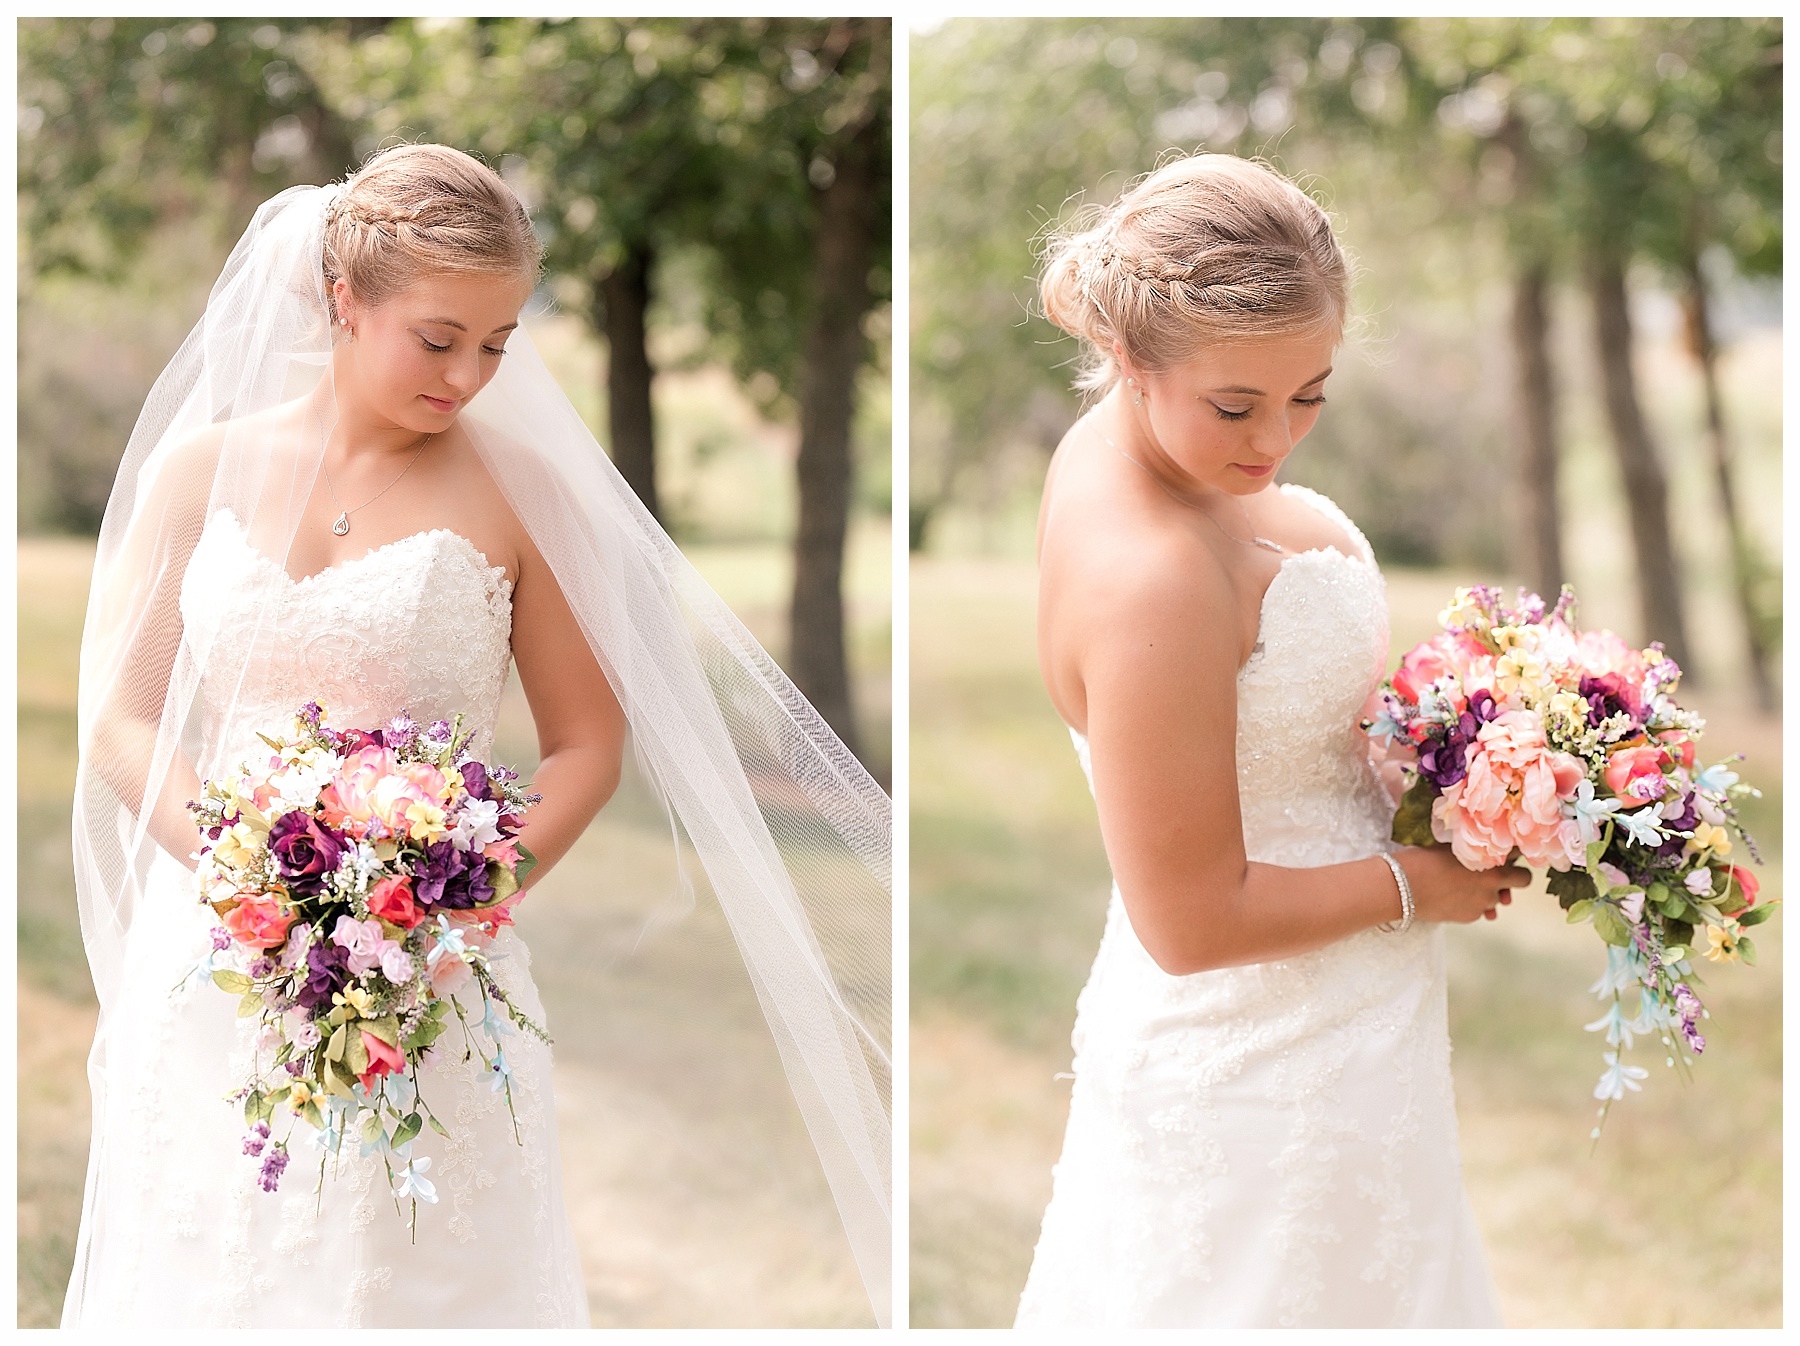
{"x": 359, "y": 878}
{"x": 1526, "y": 739}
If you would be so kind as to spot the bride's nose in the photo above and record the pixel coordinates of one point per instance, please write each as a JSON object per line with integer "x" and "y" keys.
{"x": 463, "y": 375}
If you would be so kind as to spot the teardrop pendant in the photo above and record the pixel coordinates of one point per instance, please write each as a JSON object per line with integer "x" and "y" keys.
{"x": 342, "y": 524}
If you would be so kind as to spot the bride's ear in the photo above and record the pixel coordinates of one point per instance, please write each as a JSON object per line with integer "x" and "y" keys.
{"x": 343, "y": 303}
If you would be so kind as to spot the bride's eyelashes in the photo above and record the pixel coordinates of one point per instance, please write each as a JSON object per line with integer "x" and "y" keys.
{"x": 436, "y": 349}
{"x": 1225, "y": 415}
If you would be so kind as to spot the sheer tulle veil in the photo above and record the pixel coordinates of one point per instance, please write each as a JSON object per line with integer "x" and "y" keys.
{"x": 794, "y": 837}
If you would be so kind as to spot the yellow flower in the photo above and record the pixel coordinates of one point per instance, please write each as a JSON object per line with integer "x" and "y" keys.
{"x": 356, "y": 999}
{"x": 1721, "y": 945}
{"x": 1462, "y": 610}
{"x": 1710, "y": 839}
{"x": 300, "y": 1095}
{"x": 426, "y": 822}
{"x": 1510, "y": 637}
{"x": 1570, "y": 704}
{"x": 1518, "y": 670}
{"x": 236, "y": 846}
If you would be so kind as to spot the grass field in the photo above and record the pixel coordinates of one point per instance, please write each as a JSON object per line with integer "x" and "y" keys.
{"x": 689, "y": 1177}
{"x": 1674, "y": 1221}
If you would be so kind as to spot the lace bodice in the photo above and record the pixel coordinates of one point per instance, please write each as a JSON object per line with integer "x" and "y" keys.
{"x": 422, "y": 625}
{"x": 1305, "y": 788}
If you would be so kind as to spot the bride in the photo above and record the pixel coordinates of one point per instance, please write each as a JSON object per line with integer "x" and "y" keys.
{"x": 356, "y": 484}
{"x": 1262, "y": 1130}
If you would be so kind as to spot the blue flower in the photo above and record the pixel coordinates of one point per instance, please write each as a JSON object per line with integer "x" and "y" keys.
{"x": 501, "y": 1071}
{"x": 1716, "y": 780}
{"x": 413, "y": 1182}
{"x": 1618, "y": 1077}
{"x": 1613, "y": 1021}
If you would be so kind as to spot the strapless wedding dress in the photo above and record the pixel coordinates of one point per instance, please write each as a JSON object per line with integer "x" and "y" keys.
{"x": 181, "y": 1234}
{"x": 1272, "y": 1145}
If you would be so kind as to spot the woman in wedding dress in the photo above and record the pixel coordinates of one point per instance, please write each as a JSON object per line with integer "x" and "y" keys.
{"x": 326, "y": 501}
{"x": 1262, "y": 1130}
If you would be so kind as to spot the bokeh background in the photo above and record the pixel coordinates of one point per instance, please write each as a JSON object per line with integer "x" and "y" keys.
{"x": 714, "y": 198}
{"x": 1568, "y": 367}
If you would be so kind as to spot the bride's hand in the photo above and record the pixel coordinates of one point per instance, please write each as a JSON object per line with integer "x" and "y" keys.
{"x": 1445, "y": 891}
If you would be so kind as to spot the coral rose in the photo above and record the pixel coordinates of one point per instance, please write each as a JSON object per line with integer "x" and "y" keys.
{"x": 1447, "y": 653}
{"x": 258, "y": 923}
{"x": 1635, "y": 774}
{"x": 391, "y": 900}
{"x": 348, "y": 801}
{"x": 383, "y": 1059}
{"x": 1747, "y": 882}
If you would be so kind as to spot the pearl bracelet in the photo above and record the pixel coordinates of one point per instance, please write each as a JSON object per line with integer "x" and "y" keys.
{"x": 1406, "y": 898}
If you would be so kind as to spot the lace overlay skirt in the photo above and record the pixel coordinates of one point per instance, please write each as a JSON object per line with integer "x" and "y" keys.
{"x": 1272, "y": 1145}
{"x": 182, "y": 1236}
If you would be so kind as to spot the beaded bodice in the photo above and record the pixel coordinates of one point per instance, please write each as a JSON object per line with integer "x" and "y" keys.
{"x": 423, "y": 625}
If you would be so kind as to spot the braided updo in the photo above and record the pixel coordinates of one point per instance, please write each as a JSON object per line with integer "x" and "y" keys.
{"x": 417, "y": 209}
{"x": 1208, "y": 249}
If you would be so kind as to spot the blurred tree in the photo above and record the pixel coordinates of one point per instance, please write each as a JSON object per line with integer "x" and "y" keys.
{"x": 125, "y": 124}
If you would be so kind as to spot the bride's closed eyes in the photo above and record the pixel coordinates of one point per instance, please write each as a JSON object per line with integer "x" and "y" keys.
{"x": 432, "y": 346}
{"x": 1225, "y": 415}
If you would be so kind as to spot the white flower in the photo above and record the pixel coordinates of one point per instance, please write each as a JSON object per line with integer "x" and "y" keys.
{"x": 477, "y": 824}
{"x": 1644, "y": 827}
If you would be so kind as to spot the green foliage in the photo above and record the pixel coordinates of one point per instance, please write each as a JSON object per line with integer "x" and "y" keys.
{"x": 1570, "y": 886}
{"x": 1412, "y": 820}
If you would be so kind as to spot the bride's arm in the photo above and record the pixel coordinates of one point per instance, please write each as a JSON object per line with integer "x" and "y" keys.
{"x": 137, "y": 635}
{"x": 580, "y": 724}
{"x": 1160, "y": 677}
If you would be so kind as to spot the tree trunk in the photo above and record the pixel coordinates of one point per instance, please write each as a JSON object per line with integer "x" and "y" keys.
{"x": 831, "y": 357}
{"x": 1534, "y": 425}
{"x": 1745, "y": 561}
{"x": 621, "y": 298}
{"x": 1646, "y": 492}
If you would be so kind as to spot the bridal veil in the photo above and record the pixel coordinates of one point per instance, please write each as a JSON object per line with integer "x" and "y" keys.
{"x": 794, "y": 836}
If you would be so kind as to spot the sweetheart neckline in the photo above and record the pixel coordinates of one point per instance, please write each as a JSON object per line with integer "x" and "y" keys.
{"x": 480, "y": 556}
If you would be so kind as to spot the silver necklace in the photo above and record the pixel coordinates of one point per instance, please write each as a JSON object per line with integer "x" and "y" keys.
{"x": 341, "y": 524}
{"x": 1252, "y": 541}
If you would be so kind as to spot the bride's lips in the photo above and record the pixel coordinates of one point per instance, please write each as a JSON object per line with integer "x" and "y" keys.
{"x": 442, "y": 404}
{"x": 1250, "y": 471}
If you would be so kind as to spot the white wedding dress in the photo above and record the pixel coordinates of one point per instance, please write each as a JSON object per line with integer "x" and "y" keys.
{"x": 181, "y": 1234}
{"x": 1272, "y": 1145}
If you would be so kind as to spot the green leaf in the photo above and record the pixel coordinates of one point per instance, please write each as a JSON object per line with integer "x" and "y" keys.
{"x": 1580, "y": 909}
{"x": 334, "y": 1049}
{"x": 250, "y": 1005}
{"x": 371, "y": 1128}
{"x": 438, "y": 1127}
{"x": 386, "y": 1028}
{"x": 1746, "y": 950}
{"x": 1412, "y": 819}
{"x": 253, "y": 1108}
{"x": 408, "y": 1129}
{"x": 1595, "y": 850}
{"x": 1756, "y": 915}
{"x": 1570, "y": 886}
{"x": 1612, "y": 926}
{"x": 503, "y": 881}
{"x": 527, "y": 861}
{"x": 234, "y": 982}
{"x": 312, "y": 1114}
{"x": 356, "y": 1055}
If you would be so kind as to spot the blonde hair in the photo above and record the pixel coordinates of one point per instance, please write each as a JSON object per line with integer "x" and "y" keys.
{"x": 1210, "y": 248}
{"x": 417, "y": 209}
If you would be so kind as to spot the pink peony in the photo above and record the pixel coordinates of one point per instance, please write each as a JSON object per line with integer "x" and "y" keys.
{"x": 447, "y": 973}
{"x": 362, "y": 940}
{"x": 1511, "y": 798}
{"x": 348, "y": 800}
{"x": 1635, "y": 774}
{"x": 258, "y": 922}
{"x": 1602, "y": 652}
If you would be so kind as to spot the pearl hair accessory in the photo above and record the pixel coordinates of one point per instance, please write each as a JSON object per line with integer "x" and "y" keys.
{"x": 1406, "y": 898}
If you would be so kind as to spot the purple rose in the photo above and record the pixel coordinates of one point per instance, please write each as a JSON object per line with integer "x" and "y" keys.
{"x": 306, "y": 850}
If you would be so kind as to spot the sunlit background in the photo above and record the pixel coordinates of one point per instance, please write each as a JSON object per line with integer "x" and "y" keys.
{"x": 679, "y": 171}
{"x": 1595, "y": 203}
